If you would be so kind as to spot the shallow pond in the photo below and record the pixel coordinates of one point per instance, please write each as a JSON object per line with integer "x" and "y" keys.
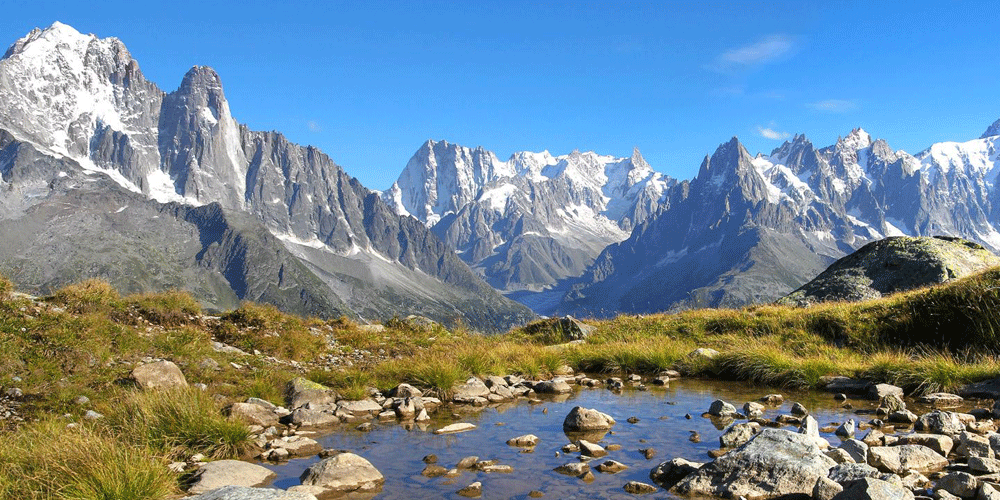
{"x": 397, "y": 450}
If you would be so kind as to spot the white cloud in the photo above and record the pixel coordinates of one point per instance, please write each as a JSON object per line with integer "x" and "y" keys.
{"x": 770, "y": 133}
{"x": 314, "y": 126}
{"x": 835, "y": 105}
{"x": 767, "y": 50}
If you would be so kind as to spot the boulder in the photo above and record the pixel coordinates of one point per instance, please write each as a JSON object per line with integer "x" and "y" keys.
{"x": 158, "y": 375}
{"x": 840, "y": 456}
{"x": 987, "y": 389}
{"x": 774, "y": 463}
{"x": 972, "y": 445}
{"x": 591, "y": 449}
{"x": 940, "y": 422}
{"x": 942, "y": 399}
{"x": 961, "y": 484}
{"x": 567, "y": 329}
{"x": 405, "y": 391}
{"x": 669, "y": 473}
{"x": 245, "y": 493}
{"x": 343, "y": 472}
{"x": 753, "y": 409}
{"x": 857, "y": 449}
{"x": 611, "y": 467}
{"x": 473, "y": 490}
{"x": 826, "y": 489}
{"x": 554, "y": 386}
{"x": 902, "y": 458}
{"x": 891, "y": 402}
{"x": 880, "y": 391}
{"x": 891, "y": 265}
{"x": 253, "y": 414}
{"x": 984, "y": 465}
{"x": 582, "y": 419}
{"x": 301, "y": 390}
{"x": 720, "y": 408}
{"x": 298, "y": 446}
{"x": 846, "y": 430}
{"x": 938, "y": 442}
{"x": 213, "y": 475}
{"x": 575, "y": 469}
{"x": 987, "y": 492}
{"x": 702, "y": 354}
{"x": 846, "y": 474}
{"x": 874, "y": 489}
{"x": 470, "y": 390}
{"x": 314, "y": 417}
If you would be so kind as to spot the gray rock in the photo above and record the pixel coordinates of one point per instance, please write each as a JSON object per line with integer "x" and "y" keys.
{"x": 299, "y": 446}
{"x": 942, "y": 399}
{"x": 902, "y": 458}
{"x": 846, "y": 430}
{"x": 314, "y": 417}
{"x": 848, "y": 385}
{"x": 582, "y": 419}
{"x": 810, "y": 428}
{"x": 720, "y": 408}
{"x": 772, "y": 399}
{"x": 702, "y": 353}
{"x": 591, "y": 449}
{"x": 984, "y": 465}
{"x": 253, "y": 414}
{"x": 753, "y": 409}
{"x": 669, "y": 473}
{"x": 245, "y": 493}
{"x": 987, "y": 492}
{"x": 472, "y": 388}
{"x": 774, "y": 463}
{"x": 902, "y": 417}
{"x": 880, "y": 391}
{"x": 874, "y": 489}
{"x": 938, "y": 442}
{"x": 92, "y": 415}
{"x": 467, "y": 462}
{"x": 846, "y": 474}
{"x": 961, "y": 484}
{"x": 301, "y": 390}
{"x": 554, "y": 386}
{"x": 405, "y": 391}
{"x": 840, "y": 456}
{"x": 343, "y": 472}
{"x": 857, "y": 449}
{"x": 826, "y": 489}
{"x": 940, "y": 422}
{"x": 972, "y": 445}
{"x": 213, "y": 475}
{"x": 737, "y": 434}
{"x": 455, "y": 428}
{"x": 799, "y": 410}
{"x": 574, "y": 469}
{"x": 158, "y": 375}
{"x": 525, "y": 441}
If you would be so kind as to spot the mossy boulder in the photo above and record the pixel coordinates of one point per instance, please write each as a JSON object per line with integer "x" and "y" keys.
{"x": 891, "y": 265}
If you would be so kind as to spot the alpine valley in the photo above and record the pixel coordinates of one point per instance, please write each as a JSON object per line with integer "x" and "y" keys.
{"x": 107, "y": 176}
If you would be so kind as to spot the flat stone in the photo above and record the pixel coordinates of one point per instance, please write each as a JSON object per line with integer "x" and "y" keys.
{"x": 213, "y": 475}
{"x": 900, "y": 459}
{"x": 591, "y": 449}
{"x": 299, "y": 446}
{"x": 984, "y": 465}
{"x": 942, "y": 399}
{"x": 453, "y": 428}
{"x": 246, "y": 493}
{"x": 554, "y": 386}
{"x": 574, "y": 469}
{"x": 940, "y": 443}
{"x": 611, "y": 467}
{"x": 638, "y": 488}
{"x": 525, "y": 441}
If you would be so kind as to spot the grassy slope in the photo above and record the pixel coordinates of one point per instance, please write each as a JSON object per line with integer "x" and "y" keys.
{"x": 85, "y": 340}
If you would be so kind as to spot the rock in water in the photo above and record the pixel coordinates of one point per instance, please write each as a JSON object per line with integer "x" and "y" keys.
{"x": 582, "y": 419}
{"x": 343, "y": 472}
{"x": 774, "y": 463}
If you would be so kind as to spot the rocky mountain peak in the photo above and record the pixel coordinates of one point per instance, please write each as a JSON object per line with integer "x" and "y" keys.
{"x": 992, "y": 131}
{"x": 855, "y": 140}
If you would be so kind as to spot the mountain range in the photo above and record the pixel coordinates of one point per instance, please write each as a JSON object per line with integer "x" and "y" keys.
{"x": 105, "y": 175}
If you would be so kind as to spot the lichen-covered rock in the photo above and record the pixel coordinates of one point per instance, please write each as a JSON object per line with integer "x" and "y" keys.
{"x": 874, "y": 489}
{"x": 938, "y": 442}
{"x": 940, "y": 422}
{"x": 891, "y": 265}
{"x": 774, "y": 463}
{"x": 301, "y": 390}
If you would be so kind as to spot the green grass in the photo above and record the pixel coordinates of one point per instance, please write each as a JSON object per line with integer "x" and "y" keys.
{"x": 179, "y": 423}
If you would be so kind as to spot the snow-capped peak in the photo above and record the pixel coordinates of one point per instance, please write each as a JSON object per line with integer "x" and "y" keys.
{"x": 857, "y": 139}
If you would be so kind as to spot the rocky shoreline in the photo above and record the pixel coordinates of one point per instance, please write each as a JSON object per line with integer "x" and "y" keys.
{"x": 889, "y": 452}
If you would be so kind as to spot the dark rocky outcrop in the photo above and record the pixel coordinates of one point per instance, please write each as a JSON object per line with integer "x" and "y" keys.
{"x": 893, "y": 265}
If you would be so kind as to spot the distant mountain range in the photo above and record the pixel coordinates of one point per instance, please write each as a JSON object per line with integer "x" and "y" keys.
{"x": 105, "y": 175}
{"x": 747, "y": 229}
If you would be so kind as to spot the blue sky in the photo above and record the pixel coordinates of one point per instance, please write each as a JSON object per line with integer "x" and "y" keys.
{"x": 369, "y": 82}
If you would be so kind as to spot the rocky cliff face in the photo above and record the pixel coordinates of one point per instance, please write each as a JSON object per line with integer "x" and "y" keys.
{"x": 751, "y": 229}
{"x": 73, "y": 105}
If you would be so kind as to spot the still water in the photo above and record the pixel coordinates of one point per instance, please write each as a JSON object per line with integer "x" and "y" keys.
{"x": 397, "y": 450}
